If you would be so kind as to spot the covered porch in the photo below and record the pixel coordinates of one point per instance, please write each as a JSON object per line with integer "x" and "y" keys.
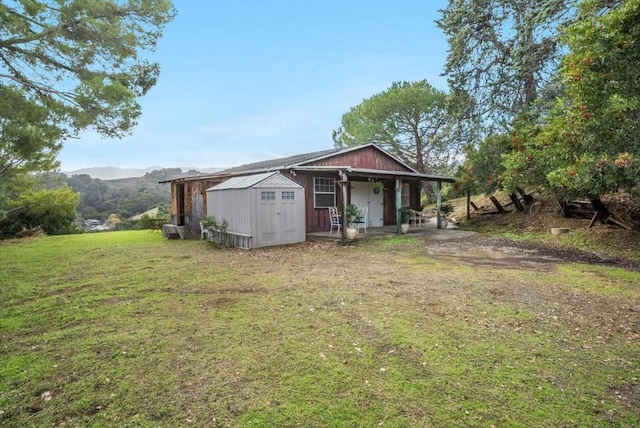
{"x": 429, "y": 231}
{"x": 383, "y": 193}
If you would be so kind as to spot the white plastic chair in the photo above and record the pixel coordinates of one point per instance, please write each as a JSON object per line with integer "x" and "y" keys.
{"x": 334, "y": 219}
{"x": 418, "y": 218}
{"x": 204, "y": 233}
{"x": 364, "y": 214}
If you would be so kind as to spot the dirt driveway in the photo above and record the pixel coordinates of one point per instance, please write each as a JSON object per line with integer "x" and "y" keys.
{"x": 516, "y": 253}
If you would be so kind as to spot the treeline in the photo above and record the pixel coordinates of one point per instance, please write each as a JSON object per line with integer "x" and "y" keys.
{"x": 59, "y": 204}
{"x": 548, "y": 94}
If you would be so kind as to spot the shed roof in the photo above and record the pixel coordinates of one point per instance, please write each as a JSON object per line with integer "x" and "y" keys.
{"x": 247, "y": 181}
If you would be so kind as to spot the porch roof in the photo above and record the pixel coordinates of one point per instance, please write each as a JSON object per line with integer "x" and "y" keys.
{"x": 377, "y": 173}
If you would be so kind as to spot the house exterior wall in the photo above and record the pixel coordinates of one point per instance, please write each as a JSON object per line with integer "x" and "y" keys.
{"x": 188, "y": 207}
{"x": 316, "y": 219}
{"x": 368, "y": 157}
{"x": 390, "y": 209}
{"x": 196, "y": 204}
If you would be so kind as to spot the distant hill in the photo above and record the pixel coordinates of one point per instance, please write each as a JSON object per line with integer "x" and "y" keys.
{"x": 125, "y": 197}
{"x": 116, "y": 173}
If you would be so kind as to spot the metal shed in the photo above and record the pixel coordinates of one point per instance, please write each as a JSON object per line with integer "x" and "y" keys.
{"x": 261, "y": 210}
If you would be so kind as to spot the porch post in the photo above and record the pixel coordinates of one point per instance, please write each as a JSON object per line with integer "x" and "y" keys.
{"x": 398, "y": 203}
{"x": 439, "y": 201}
{"x": 343, "y": 186}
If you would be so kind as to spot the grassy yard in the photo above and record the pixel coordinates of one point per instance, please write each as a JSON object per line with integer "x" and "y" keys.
{"x": 130, "y": 329}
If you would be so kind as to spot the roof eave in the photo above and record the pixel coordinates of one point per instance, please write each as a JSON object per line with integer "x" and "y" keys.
{"x": 363, "y": 172}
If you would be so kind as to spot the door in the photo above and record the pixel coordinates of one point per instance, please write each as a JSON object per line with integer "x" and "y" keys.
{"x": 279, "y": 222}
{"x": 289, "y": 218}
{"x": 268, "y": 218}
{"x": 362, "y": 195}
{"x": 180, "y": 212}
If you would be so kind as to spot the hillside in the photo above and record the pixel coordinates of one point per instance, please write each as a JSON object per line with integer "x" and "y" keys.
{"x": 116, "y": 173}
{"x": 602, "y": 238}
{"x": 125, "y": 197}
{"x": 111, "y": 172}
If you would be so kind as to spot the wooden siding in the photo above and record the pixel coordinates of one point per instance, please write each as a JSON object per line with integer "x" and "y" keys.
{"x": 317, "y": 219}
{"x": 368, "y": 158}
{"x": 193, "y": 201}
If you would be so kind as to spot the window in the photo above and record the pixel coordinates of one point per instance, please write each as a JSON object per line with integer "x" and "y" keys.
{"x": 324, "y": 192}
{"x": 405, "y": 195}
{"x": 288, "y": 196}
{"x": 268, "y": 196}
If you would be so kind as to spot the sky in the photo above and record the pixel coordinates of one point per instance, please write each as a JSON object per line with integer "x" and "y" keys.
{"x": 246, "y": 80}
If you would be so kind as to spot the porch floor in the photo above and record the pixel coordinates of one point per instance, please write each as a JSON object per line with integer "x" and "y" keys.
{"x": 429, "y": 231}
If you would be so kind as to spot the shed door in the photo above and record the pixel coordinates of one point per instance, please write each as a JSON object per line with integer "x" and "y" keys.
{"x": 278, "y": 219}
{"x": 268, "y": 218}
{"x": 289, "y": 219}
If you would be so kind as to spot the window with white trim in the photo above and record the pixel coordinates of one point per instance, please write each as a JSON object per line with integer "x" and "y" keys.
{"x": 406, "y": 201}
{"x": 288, "y": 195}
{"x": 268, "y": 196}
{"x": 324, "y": 192}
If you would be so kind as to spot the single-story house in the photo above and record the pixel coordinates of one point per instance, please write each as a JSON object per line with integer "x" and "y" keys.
{"x": 333, "y": 177}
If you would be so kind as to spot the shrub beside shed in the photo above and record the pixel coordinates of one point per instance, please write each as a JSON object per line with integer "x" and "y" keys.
{"x": 261, "y": 210}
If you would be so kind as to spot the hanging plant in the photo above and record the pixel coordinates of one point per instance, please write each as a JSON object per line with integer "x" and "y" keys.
{"x": 377, "y": 186}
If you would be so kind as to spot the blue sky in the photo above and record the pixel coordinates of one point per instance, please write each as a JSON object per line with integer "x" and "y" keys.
{"x": 248, "y": 80}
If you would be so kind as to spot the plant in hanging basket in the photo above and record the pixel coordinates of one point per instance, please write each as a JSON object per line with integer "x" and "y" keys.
{"x": 377, "y": 186}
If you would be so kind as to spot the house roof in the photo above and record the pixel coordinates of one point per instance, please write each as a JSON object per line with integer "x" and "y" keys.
{"x": 279, "y": 163}
{"x": 261, "y": 166}
{"x": 299, "y": 162}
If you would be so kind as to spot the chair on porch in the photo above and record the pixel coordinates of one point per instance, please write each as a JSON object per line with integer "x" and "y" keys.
{"x": 364, "y": 219}
{"x": 418, "y": 217}
{"x": 204, "y": 232}
{"x": 334, "y": 218}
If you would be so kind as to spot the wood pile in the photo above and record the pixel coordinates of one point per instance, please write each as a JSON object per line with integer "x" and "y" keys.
{"x": 595, "y": 210}
{"x": 619, "y": 209}
{"x": 521, "y": 202}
